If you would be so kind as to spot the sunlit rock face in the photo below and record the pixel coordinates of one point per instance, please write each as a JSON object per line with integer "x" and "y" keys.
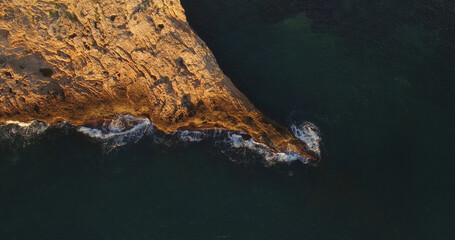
{"x": 86, "y": 61}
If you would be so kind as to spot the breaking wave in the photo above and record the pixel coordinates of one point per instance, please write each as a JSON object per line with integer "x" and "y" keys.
{"x": 238, "y": 141}
{"x": 21, "y": 133}
{"x": 126, "y": 129}
{"x": 190, "y": 136}
{"x": 120, "y": 131}
{"x": 308, "y": 133}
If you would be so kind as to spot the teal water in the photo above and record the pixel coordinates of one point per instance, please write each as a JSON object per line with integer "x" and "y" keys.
{"x": 376, "y": 77}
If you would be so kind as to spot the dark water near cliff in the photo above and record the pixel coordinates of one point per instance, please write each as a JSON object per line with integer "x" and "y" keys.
{"x": 378, "y": 79}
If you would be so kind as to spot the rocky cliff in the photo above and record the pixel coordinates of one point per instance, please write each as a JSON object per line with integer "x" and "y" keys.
{"x": 88, "y": 60}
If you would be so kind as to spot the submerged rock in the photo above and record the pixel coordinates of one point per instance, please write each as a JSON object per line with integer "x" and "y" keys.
{"x": 87, "y": 61}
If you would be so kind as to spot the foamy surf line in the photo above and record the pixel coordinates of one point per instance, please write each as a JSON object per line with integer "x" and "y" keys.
{"x": 23, "y": 129}
{"x": 123, "y": 130}
{"x": 20, "y": 124}
{"x": 126, "y": 129}
{"x": 237, "y": 141}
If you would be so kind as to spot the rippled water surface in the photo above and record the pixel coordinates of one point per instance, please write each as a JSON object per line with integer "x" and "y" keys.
{"x": 377, "y": 79}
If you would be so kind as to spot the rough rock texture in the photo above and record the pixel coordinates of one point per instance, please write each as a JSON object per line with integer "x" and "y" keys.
{"x": 89, "y": 60}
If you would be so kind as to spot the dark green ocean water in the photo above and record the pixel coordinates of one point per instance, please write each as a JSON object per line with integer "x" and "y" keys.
{"x": 377, "y": 77}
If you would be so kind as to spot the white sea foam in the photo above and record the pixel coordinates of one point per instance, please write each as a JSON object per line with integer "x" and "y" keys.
{"x": 20, "y": 124}
{"x": 308, "y": 133}
{"x": 129, "y": 129}
{"x": 22, "y": 133}
{"x": 190, "y": 136}
{"x": 126, "y": 129}
{"x": 237, "y": 141}
{"x": 26, "y": 128}
{"x": 120, "y": 131}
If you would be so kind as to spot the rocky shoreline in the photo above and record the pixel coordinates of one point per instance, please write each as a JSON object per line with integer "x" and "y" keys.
{"x": 88, "y": 61}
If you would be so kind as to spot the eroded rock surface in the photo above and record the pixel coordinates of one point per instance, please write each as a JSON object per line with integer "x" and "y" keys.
{"x": 86, "y": 61}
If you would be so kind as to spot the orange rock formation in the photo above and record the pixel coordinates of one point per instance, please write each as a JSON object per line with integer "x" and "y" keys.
{"x": 85, "y": 61}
